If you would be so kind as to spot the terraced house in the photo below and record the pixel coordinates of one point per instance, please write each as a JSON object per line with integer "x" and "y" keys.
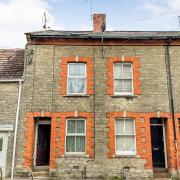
{"x": 11, "y": 78}
{"x": 98, "y": 104}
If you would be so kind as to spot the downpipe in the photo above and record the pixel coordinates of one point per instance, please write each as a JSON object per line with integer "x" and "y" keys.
{"x": 171, "y": 99}
{"x": 15, "y": 131}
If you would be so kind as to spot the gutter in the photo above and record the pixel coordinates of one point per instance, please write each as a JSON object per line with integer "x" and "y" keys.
{"x": 91, "y": 36}
{"x": 16, "y": 127}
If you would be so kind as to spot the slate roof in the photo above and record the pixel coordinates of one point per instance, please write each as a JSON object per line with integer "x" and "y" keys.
{"x": 11, "y": 64}
{"x": 106, "y": 34}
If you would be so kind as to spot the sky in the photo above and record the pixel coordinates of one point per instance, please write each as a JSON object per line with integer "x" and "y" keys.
{"x": 20, "y": 16}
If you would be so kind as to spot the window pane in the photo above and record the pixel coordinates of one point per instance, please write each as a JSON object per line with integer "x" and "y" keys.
{"x": 80, "y": 144}
{"x": 81, "y": 69}
{"x": 80, "y": 126}
{"x": 129, "y": 123}
{"x": 130, "y": 143}
{"x": 127, "y": 74}
{"x": 72, "y": 69}
{"x": 70, "y": 144}
{"x": 120, "y": 143}
{"x": 1, "y": 144}
{"x": 119, "y": 126}
{"x": 81, "y": 85}
{"x": 118, "y": 86}
{"x": 71, "y": 85}
{"x": 71, "y": 126}
{"x": 127, "y": 85}
{"x": 127, "y": 67}
{"x": 117, "y": 71}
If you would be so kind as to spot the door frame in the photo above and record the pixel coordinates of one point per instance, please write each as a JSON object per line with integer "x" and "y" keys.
{"x": 164, "y": 140}
{"x": 45, "y": 122}
{"x": 5, "y": 136}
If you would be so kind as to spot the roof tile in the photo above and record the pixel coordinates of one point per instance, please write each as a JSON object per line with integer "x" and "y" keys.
{"x": 11, "y": 63}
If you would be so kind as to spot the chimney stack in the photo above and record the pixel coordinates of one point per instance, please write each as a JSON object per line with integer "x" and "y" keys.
{"x": 99, "y": 23}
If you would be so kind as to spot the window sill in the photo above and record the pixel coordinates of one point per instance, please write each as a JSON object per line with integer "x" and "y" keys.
{"x": 127, "y": 156}
{"x": 75, "y": 156}
{"x": 77, "y": 95}
{"x": 124, "y": 96}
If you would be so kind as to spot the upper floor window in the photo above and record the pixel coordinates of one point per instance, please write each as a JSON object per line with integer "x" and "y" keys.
{"x": 125, "y": 137}
{"x": 123, "y": 78}
{"x": 75, "y": 136}
{"x": 76, "y": 78}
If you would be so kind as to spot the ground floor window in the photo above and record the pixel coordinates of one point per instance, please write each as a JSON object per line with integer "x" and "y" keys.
{"x": 75, "y": 136}
{"x": 125, "y": 138}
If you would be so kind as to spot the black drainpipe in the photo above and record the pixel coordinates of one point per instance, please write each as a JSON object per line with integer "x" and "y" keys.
{"x": 170, "y": 90}
{"x": 171, "y": 99}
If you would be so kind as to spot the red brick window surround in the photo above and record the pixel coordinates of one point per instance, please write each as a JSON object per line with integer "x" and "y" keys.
{"x": 58, "y": 135}
{"x": 143, "y": 135}
{"x": 89, "y": 90}
{"x": 135, "y": 64}
{"x": 59, "y": 120}
{"x": 139, "y": 125}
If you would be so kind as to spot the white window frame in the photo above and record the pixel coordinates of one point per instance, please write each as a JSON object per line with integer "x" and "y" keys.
{"x": 85, "y": 76}
{"x": 125, "y": 152}
{"x": 74, "y": 134}
{"x": 123, "y": 93}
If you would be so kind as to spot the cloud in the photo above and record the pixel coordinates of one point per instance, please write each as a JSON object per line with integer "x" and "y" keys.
{"x": 174, "y": 5}
{"x": 155, "y": 8}
{"x": 163, "y": 14}
{"x": 20, "y": 16}
{"x": 160, "y": 7}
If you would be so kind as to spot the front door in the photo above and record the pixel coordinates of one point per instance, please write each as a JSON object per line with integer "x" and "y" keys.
{"x": 157, "y": 143}
{"x": 3, "y": 151}
{"x": 43, "y": 144}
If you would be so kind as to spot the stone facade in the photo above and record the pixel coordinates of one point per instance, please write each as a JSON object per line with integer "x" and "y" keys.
{"x": 8, "y": 106}
{"x": 11, "y": 73}
{"x": 41, "y": 97}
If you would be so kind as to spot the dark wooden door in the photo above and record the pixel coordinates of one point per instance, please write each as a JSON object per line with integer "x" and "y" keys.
{"x": 43, "y": 145}
{"x": 157, "y": 142}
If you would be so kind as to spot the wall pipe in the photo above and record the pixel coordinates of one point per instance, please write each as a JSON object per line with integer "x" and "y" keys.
{"x": 15, "y": 131}
{"x": 171, "y": 100}
{"x": 94, "y": 99}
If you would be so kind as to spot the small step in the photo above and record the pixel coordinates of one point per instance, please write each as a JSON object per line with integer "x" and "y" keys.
{"x": 161, "y": 179}
{"x": 161, "y": 173}
{"x": 40, "y": 173}
{"x": 41, "y": 178}
{"x": 41, "y": 168}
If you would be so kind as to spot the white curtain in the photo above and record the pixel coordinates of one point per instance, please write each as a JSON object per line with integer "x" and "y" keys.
{"x": 75, "y": 142}
{"x": 70, "y": 144}
{"x": 125, "y": 135}
{"x": 118, "y": 71}
{"x": 76, "y": 78}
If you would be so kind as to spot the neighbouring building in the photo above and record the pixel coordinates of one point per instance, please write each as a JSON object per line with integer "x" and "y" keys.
{"x": 100, "y": 103}
{"x": 11, "y": 76}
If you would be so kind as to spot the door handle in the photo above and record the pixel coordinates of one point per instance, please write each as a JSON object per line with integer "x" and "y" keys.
{"x": 156, "y": 149}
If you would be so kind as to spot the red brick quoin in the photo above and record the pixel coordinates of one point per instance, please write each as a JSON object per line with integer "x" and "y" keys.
{"x": 58, "y": 129}
{"x": 64, "y": 68}
{"x": 143, "y": 135}
{"x": 110, "y": 80}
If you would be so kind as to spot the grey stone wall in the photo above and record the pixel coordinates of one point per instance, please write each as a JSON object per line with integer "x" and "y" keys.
{"x": 175, "y": 69}
{"x": 41, "y": 93}
{"x": 8, "y": 107}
